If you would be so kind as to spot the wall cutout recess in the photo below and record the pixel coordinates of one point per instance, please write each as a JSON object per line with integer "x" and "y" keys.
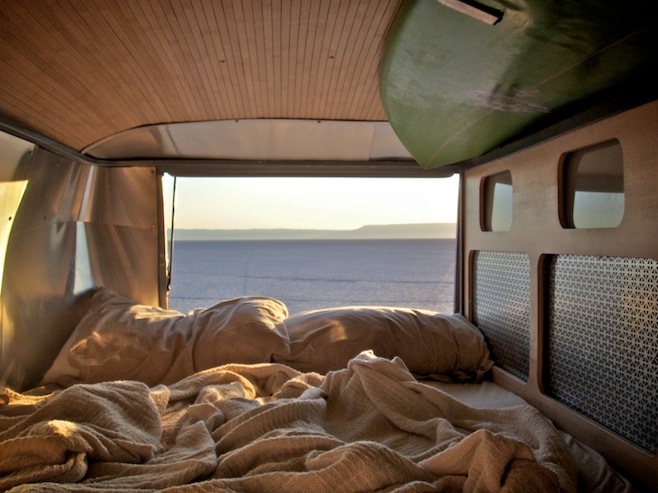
{"x": 497, "y": 207}
{"x": 592, "y": 187}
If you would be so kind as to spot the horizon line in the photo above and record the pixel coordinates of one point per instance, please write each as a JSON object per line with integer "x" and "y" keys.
{"x": 314, "y": 229}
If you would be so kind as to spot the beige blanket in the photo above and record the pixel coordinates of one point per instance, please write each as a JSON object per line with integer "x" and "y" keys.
{"x": 255, "y": 428}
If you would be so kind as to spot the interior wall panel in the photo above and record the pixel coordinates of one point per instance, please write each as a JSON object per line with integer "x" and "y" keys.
{"x": 78, "y": 227}
{"x": 537, "y": 231}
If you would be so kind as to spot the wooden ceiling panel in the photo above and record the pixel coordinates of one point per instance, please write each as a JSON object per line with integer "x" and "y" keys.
{"x": 81, "y": 70}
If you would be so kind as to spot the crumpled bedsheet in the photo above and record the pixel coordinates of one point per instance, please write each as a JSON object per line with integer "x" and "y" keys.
{"x": 267, "y": 427}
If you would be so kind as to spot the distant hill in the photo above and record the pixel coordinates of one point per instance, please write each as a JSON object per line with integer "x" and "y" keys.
{"x": 369, "y": 232}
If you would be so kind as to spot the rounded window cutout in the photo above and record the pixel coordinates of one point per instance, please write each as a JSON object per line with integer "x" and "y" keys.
{"x": 592, "y": 187}
{"x": 497, "y": 210}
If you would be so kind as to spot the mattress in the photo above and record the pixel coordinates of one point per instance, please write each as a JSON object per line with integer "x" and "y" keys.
{"x": 242, "y": 397}
{"x": 594, "y": 473}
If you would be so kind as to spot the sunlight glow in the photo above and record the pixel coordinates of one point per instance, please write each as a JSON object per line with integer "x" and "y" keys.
{"x": 313, "y": 203}
{"x": 11, "y": 194}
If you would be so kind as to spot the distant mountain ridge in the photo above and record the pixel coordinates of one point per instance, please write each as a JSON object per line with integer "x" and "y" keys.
{"x": 368, "y": 232}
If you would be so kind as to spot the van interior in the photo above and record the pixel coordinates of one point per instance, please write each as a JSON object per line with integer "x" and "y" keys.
{"x": 544, "y": 376}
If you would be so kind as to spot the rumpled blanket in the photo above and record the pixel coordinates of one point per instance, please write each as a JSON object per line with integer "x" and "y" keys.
{"x": 251, "y": 428}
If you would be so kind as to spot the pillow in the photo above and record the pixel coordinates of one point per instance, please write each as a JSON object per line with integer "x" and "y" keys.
{"x": 119, "y": 339}
{"x": 443, "y": 347}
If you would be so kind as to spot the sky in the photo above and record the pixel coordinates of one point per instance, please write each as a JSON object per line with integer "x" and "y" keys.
{"x": 313, "y": 203}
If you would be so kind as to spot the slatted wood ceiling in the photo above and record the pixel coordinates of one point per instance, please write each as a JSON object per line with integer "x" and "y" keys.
{"x": 80, "y": 70}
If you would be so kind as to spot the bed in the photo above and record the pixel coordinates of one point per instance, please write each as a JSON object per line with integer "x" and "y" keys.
{"x": 244, "y": 397}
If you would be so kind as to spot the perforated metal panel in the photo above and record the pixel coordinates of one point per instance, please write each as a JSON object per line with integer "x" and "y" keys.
{"x": 602, "y": 341}
{"x": 501, "y": 307}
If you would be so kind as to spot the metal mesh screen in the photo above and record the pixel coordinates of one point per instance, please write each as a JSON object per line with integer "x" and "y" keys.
{"x": 602, "y": 341}
{"x": 501, "y": 307}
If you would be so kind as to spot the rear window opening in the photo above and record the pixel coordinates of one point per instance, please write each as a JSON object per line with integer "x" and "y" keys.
{"x": 315, "y": 242}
